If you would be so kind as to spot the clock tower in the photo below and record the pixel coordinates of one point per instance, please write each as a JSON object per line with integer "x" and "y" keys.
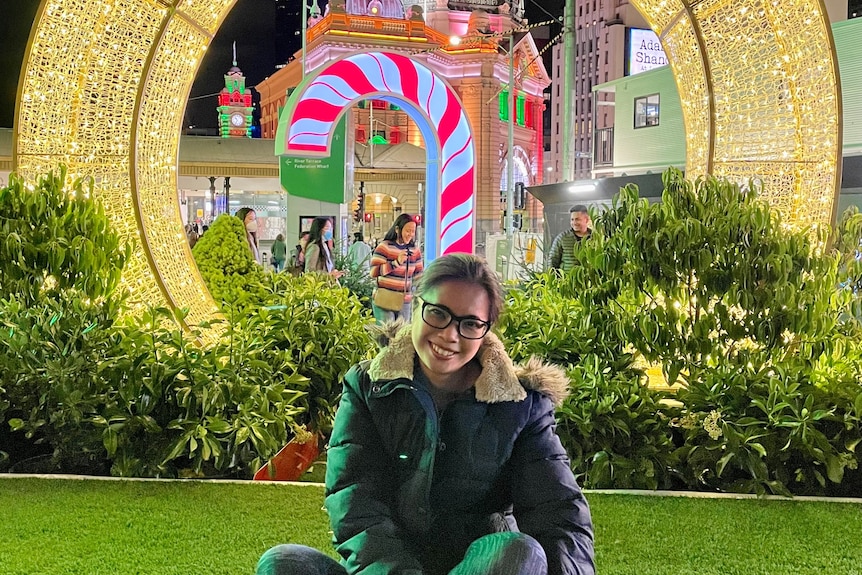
{"x": 235, "y": 108}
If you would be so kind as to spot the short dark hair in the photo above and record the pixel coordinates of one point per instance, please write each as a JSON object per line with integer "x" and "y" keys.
{"x": 358, "y": 236}
{"x": 463, "y": 268}
{"x": 579, "y": 208}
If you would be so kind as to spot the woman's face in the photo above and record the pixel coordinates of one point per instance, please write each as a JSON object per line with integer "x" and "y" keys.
{"x": 249, "y": 217}
{"x": 443, "y": 353}
{"x": 408, "y": 232}
{"x": 327, "y": 227}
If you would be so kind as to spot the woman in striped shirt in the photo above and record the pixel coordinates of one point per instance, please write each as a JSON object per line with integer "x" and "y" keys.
{"x": 396, "y": 262}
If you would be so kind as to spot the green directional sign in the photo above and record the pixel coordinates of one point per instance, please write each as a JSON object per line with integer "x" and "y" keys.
{"x": 318, "y": 178}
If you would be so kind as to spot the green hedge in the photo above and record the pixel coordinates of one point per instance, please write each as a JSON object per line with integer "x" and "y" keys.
{"x": 758, "y": 322}
{"x": 140, "y": 395}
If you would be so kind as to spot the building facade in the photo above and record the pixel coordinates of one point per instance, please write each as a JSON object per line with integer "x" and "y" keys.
{"x": 601, "y": 46}
{"x": 476, "y": 66}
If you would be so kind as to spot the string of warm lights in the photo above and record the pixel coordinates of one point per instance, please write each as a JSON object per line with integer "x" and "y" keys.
{"x": 760, "y": 99}
{"x": 103, "y": 89}
{"x": 104, "y": 85}
{"x": 505, "y": 34}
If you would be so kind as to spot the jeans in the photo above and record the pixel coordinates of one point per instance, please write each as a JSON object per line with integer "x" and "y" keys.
{"x": 384, "y": 315}
{"x": 496, "y": 554}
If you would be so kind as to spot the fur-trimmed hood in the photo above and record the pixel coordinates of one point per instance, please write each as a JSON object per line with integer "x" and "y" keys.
{"x": 500, "y": 380}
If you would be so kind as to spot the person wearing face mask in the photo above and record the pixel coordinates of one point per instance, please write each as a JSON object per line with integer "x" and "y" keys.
{"x": 444, "y": 458}
{"x": 248, "y": 217}
{"x": 396, "y": 263}
{"x": 318, "y": 254}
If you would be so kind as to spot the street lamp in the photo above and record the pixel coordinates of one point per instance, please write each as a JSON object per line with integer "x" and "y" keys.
{"x": 510, "y": 142}
{"x": 510, "y": 159}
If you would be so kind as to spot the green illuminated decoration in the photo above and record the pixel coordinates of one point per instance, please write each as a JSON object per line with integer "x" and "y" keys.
{"x": 520, "y": 108}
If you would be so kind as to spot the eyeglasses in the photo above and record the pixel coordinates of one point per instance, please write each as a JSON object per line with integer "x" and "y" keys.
{"x": 439, "y": 317}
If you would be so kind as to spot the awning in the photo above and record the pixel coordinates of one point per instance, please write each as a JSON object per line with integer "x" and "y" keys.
{"x": 600, "y": 189}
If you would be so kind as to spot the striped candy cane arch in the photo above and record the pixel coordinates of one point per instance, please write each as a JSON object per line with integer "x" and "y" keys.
{"x": 306, "y": 124}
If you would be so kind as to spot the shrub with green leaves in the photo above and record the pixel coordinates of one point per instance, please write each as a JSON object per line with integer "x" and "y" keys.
{"x": 179, "y": 409}
{"x": 737, "y": 306}
{"x": 615, "y": 428}
{"x": 51, "y": 361}
{"x": 183, "y": 409}
{"x": 141, "y": 395}
{"x": 315, "y": 328}
{"x": 60, "y": 266}
{"x": 711, "y": 286}
{"x": 356, "y": 278}
{"x": 56, "y": 239}
{"x": 618, "y": 431}
{"x": 226, "y": 263}
{"x": 847, "y": 240}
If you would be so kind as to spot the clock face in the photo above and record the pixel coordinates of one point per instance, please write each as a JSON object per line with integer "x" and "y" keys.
{"x": 237, "y": 120}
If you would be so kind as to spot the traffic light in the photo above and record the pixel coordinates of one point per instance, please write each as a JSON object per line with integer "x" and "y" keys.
{"x": 360, "y": 205}
{"x": 516, "y": 221}
{"x": 520, "y": 197}
{"x": 418, "y": 219}
{"x": 368, "y": 217}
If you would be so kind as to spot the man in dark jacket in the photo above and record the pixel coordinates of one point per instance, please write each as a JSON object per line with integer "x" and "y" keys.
{"x": 444, "y": 457}
{"x": 563, "y": 248}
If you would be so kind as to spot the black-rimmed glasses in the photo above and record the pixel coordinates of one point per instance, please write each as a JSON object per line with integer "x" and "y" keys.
{"x": 439, "y": 317}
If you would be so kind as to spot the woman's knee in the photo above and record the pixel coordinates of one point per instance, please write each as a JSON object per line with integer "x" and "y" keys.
{"x": 523, "y": 547}
{"x": 509, "y": 553}
{"x": 291, "y": 559}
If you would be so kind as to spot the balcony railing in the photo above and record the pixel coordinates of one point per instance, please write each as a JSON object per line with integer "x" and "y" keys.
{"x": 603, "y": 147}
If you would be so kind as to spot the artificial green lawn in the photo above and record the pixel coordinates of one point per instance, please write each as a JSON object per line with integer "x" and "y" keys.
{"x": 93, "y": 527}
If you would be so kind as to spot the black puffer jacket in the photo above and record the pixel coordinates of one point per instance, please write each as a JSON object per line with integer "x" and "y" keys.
{"x": 408, "y": 491}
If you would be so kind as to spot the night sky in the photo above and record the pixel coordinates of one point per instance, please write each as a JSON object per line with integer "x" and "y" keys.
{"x": 250, "y": 23}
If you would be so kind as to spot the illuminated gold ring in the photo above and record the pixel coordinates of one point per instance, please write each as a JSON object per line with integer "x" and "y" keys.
{"x": 103, "y": 89}
{"x": 759, "y": 87}
{"x": 104, "y": 85}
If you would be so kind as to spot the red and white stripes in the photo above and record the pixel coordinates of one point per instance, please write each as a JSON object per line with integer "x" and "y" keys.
{"x": 360, "y": 76}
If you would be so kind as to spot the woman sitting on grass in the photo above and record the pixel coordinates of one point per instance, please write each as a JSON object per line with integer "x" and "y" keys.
{"x": 443, "y": 457}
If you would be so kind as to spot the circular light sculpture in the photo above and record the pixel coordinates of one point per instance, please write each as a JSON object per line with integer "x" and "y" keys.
{"x": 760, "y": 93}
{"x": 103, "y": 89}
{"x": 104, "y": 86}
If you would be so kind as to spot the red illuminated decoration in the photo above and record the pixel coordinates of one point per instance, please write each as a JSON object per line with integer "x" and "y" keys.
{"x": 318, "y": 103}
{"x": 368, "y": 217}
{"x": 418, "y": 219}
